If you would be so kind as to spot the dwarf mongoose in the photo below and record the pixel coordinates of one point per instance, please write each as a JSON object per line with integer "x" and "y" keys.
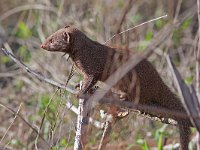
{"x": 97, "y": 62}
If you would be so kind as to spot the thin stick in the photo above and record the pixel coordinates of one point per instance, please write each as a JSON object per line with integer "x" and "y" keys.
{"x": 152, "y": 110}
{"x": 135, "y": 27}
{"x": 105, "y": 136}
{"x": 24, "y": 120}
{"x": 44, "y": 116}
{"x": 37, "y": 75}
{"x": 189, "y": 99}
{"x": 11, "y": 123}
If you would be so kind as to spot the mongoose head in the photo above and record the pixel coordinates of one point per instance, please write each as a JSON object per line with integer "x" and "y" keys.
{"x": 60, "y": 41}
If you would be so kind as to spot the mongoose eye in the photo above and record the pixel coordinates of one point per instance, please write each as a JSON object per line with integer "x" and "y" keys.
{"x": 67, "y": 26}
{"x": 51, "y": 41}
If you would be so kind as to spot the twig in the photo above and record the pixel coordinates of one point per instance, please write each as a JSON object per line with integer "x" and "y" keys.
{"x": 156, "y": 118}
{"x": 71, "y": 73}
{"x": 105, "y": 136}
{"x": 135, "y": 27}
{"x": 24, "y": 120}
{"x": 61, "y": 123}
{"x": 37, "y": 75}
{"x": 58, "y": 113}
{"x": 11, "y": 123}
{"x": 44, "y": 115}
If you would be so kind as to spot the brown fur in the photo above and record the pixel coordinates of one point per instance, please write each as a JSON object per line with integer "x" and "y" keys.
{"x": 97, "y": 62}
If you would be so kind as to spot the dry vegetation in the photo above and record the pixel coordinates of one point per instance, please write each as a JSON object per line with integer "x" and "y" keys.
{"x": 24, "y": 26}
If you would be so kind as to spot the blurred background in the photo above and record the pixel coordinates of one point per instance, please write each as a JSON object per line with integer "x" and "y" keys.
{"x": 24, "y": 25}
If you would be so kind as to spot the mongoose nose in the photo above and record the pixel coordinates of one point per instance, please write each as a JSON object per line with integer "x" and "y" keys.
{"x": 42, "y": 46}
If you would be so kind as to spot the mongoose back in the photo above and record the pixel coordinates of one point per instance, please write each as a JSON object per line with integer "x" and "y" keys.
{"x": 97, "y": 62}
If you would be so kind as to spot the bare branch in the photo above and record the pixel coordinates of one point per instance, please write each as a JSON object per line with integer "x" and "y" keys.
{"x": 37, "y": 75}
{"x": 189, "y": 99}
{"x": 78, "y": 143}
{"x": 135, "y": 27}
{"x": 156, "y": 110}
{"x": 82, "y": 125}
{"x": 11, "y": 123}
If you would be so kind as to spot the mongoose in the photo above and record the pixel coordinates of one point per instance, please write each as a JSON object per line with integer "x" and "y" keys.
{"x": 97, "y": 62}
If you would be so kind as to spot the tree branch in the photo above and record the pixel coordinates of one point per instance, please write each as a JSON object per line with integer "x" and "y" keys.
{"x": 37, "y": 75}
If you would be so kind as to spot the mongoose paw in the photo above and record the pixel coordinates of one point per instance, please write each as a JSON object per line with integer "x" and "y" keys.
{"x": 81, "y": 95}
{"x": 77, "y": 87}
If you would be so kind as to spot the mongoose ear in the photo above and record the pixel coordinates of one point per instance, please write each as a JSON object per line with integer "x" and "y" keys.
{"x": 66, "y": 36}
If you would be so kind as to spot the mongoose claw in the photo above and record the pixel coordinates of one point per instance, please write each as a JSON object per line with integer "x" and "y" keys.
{"x": 77, "y": 87}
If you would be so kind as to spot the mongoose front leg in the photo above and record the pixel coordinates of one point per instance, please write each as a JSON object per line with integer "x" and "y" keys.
{"x": 88, "y": 83}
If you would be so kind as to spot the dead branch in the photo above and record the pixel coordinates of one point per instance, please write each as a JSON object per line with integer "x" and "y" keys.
{"x": 152, "y": 110}
{"x": 188, "y": 95}
{"x": 105, "y": 135}
{"x": 11, "y": 123}
{"x": 82, "y": 125}
{"x": 134, "y": 27}
{"x": 37, "y": 75}
{"x": 78, "y": 143}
